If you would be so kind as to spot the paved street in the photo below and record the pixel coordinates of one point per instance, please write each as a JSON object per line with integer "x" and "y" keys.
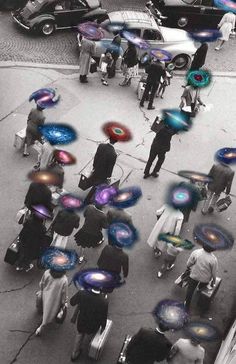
{"x": 87, "y": 107}
{"x": 61, "y": 48}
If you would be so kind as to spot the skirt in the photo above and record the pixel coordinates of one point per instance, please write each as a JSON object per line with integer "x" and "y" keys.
{"x": 87, "y": 240}
{"x": 225, "y": 30}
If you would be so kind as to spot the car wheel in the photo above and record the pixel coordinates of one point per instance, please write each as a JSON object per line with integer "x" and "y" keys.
{"x": 181, "y": 61}
{"x": 47, "y": 28}
{"x": 182, "y": 22}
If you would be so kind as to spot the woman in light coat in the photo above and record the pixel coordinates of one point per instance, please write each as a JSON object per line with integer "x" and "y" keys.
{"x": 86, "y": 52}
{"x": 226, "y": 25}
{"x": 53, "y": 295}
{"x": 169, "y": 221}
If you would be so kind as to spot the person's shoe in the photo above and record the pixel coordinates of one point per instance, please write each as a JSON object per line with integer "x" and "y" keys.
{"x": 203, "y": 212}
{"x": 105, "y": 83}
{"x": 31, "y": 266}
{"x": 159, "y": 274}
{"x": 26, "y": 154}
{"x": 154, "y": 174}
{"x": 151, "y": 107}
{"x": 81, "y": 259}
{"x": 38, "y": 331}
{"x": 36, "y": 167}
{"x": 157, "y": 253}
{"x": 100, "y": 242}
{"x": 141, "y": 105}
{"x": 102, "y": 79}
{"x": 162, "y": 97}
{"x": 75, "y": 357}
{"x": 157, "y": 95}
{"x": 19, "y": 269}
{"x": 210, "y": 210}
{"x": 170, "y": 267}
{"x": 146, "y": 175}
{"x": 217, "y": 48}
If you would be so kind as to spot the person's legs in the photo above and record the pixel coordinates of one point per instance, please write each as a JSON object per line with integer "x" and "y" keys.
{"x": 192, "y": 284}
{"x": 154, "y": 88}
{"x": 219, "y": 45}
{"x": 213, "y": 201}
{"x": 145, "y": 94}
{"x": 81, "y": 255}
{"x": 79, "y": 338}
{"x": 207, "y": 202}
{"x": 152, "y": 156}
{"x": 161, "y": 158}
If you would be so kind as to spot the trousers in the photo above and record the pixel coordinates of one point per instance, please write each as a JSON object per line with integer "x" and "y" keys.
{"x": 192, "y": 285}
{"x": 150, "y": 87}
{"x": 79, "y": 339}
{"x": 211, "y": 200}
{"x": 152, "y": 156}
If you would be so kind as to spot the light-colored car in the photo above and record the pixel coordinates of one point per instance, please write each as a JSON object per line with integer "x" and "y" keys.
{"x": 227, "y": 352}
{"x": 175, "y": 41}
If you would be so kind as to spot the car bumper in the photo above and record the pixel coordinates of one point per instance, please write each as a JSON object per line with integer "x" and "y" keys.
{"x": 26, "y": 27}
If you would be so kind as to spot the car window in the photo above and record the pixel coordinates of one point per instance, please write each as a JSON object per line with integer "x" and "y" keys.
{"x": 207, "y": 3}
{"x": 134, "y": 31}
{"x": 151, "y": 34}
{"x": 191, "y": 2}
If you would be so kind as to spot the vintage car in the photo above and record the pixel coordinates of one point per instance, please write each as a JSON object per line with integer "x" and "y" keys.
{"x": 189, "y": 14}
{"x": 175, "y": 41}
{"x": 45, "y": 16}
{"x": 227, "y": 352}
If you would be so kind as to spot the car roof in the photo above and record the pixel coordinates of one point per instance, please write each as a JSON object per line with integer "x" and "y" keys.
{"x": 134, "y": 19}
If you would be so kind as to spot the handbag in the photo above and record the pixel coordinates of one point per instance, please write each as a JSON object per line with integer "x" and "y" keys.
{"x": 182, "y": 280}
{"x": 157, "y": 125}
{"x": 22, "y": 215}
{"x": 84, "y": 182}
{"x": 61, "y": 315}
{"x": 223, "y": 203}
{"x": 93, "y": 66}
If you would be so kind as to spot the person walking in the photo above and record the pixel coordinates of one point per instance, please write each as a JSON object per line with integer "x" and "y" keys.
{"x": 38, "y": 194}
{"x": 160, "y": 145}
{"x": 169, "y": 220}
{"x": 199, "y": 57}
{"x": 115, "y": 50}
{"x": 130, "y": 64}
{"x": 226, "y": 25}
{"x": 164, "y": 82}
{"x": 203, "y": 266}
{"x": 191, "y": 100}
{"x": 36, "y": 118}
{"x": 53, "y": 295}
{"x": 103, "y": 164}
{"x": 92, "y": 316}
{"x": 148, "y": 346}
{"x": 187, "y": 351}
{"x": 169, "y": 259}
{"x": 63, "y": 225}
{"x": 32, "y": 242}
{"x": 114, "y": 259}
{"x": 90, "y": 235}
{"x": 86, "y": 52}
{"x": 106, "y": 65}
{"x": 222, "y": 178}
{"x": 155, "y": 71}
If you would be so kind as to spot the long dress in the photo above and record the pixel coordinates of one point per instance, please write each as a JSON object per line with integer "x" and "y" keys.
{"x": 170, "y": 221}
{"x": 54, "y": 295}
{"x": 87, "y": 50}
{"x": 227, "y": 24}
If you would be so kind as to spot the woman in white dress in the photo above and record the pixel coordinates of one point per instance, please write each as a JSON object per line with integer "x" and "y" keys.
{"x": 226, "y": 25}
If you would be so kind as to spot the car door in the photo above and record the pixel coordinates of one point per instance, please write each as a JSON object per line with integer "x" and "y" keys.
{"x": 154, "y": 39}
{"x": 124, "y": 40}
{"x": 70, "y": 14}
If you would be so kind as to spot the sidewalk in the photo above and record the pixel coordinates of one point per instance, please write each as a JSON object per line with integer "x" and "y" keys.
{"x": 87, "y": 107}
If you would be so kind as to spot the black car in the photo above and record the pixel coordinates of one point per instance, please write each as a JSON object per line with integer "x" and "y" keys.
{"x": 12, "y": 4}
{"x": 189, "y": 14}
{"x": 46, "y": 16}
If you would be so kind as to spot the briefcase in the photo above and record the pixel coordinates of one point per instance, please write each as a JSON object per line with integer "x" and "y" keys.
{"x": 122, "y": 355}
{"x": 12, "y": 253}
{"x": 20, "y": 138}
{"x": 223, "y": 203}
{"x": 207, "y": 294}
{"x": 157, "y": 125}
{"x": 98, "y": 342}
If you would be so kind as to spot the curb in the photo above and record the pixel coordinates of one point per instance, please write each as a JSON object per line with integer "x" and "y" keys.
{"x": 12, "y": 64}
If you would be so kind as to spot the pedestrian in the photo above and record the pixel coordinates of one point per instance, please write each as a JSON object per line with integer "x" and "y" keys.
{"x": 45, "y": 155}
{"x": 222, "y": 178}
{"x": 63, "y": 225}
{"x": 103, "y": 164}
{"x": 169, "y": 259}
{"x": 203, "y": 267}
{"x": 86, "y": 52}
{"x": 56, "y": 168}
{"x": 53, "y": 295}
{"x": 92, "y": 316}
{"x": 199, "y": 57}
{"x": 114, "y": 259}
{"x": 115, "y": 50}
{"x": 187, "y": 351}
{"x": 107, "y": 63}
{"x": 160, "y": 145}
{"x": 169, "y": 220}
{"x": 32, "y": 242}
{"x": 148, "y": 346}
{"x": 165, "y": 81}
{"x": 130, "y": 64}
{"x": 36, "y": 118}
{"x": 155, "y": 71}
{"x": 90, "y": 235}
{"x": 38, "y": 194}
{"x": 226, "y": 26}
{"x": 191, "y": 100}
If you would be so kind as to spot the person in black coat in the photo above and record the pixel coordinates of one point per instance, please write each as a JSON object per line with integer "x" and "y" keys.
{"x": 159, "y": 147}
{"x": 148, "y": 346}
{"x": 113, "y": 259}
{"x": 199, "y": 57}
{"x": 38, "y": 194}
{"x": 155, "y": 71}
{"x": 92, "y": 316}
{"x": 130, "y": 62}
{"x": 103, "y": 164}
{"x": 63, "y": 225}
{"x": 32, "y": 242}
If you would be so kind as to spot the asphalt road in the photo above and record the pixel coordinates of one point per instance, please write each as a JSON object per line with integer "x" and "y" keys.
{"x": 61, "y": 48}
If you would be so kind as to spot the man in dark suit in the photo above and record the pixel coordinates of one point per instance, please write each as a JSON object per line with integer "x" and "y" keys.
{"x": 222, "y": 178}
{"x": 103, "y": 164}
{"x": 159, "y": 147}
{"x": 155, "y": 71}
{"x": 92, "y": 315}
{"x": 113, "y": 258}
{"x": 148, "y": 346}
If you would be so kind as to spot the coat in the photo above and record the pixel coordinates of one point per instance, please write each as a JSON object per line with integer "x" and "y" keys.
{"x": 147, "y": 347}
{"x": 35, "y": 119}
{"x": 113, "y": 259}
{"x": 38, "y": 194}
{"x": 104, "y": 161}
{"x": 222, "y": 176}
{"x": 86, "y": 52}
{"x": 155, "y": 71}
{"x": 170, "y": 221}
{"x": 93, "y": 310}
{"x": 161, "y": 142}
{"x": 54, "y": 295}
{"x": 226, "y": 25}
{"x": 65, "y": 222}
{"x": 130, "y": 56}
{"x": 199, "y": 57}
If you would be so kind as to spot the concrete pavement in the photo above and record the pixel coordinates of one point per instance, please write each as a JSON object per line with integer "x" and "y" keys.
{"x": 87, "y": 107}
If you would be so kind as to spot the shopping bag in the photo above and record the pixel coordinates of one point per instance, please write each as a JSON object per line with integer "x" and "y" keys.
{"x": 157, "y": 125}
{"x": 104, "y": 67}
{"x": 22, "y": 215}
{"x": 223, "y": 203}
{"x": 84, "y": 182}
{"x": 93, "y": 66}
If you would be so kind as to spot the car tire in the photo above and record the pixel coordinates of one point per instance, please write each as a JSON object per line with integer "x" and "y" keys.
{"x": 181, "y": 61}
{"x": 47, "y": 28}
{"x": 182, "y": 22}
